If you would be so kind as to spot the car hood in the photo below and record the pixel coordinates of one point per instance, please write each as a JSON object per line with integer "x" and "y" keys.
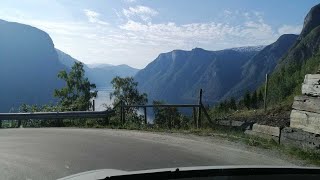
{"x": 103, "y": 173}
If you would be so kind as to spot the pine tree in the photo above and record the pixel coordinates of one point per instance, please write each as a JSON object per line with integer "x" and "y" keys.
{"x": 254, "y": 100}
{"x": 247, "y": 100}
{"x": 232, "y": 104}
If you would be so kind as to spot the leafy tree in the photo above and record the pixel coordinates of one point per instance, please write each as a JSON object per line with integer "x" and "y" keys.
{"x": 125, "y": 90}
{"x": 166, "y": 116}
{"x": 78, "y": 92}
{"x": 24, "y": 108}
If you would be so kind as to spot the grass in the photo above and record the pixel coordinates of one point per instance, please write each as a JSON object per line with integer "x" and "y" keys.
{"x": 308, "y": 155}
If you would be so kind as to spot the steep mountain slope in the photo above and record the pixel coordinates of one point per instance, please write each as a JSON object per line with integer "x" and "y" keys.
{"x": 29, "y": 66}
{"x": 253, "y": 72}
{"x": 177, "y": 76}
{"x": 302, "y": 58}
{"x": 100, "y": 74}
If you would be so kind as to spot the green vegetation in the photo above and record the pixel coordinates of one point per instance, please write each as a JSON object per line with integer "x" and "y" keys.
{"x": 286, "y": 83}
{"x": 77, "y": 93}
{"x": 170, "y": 117}
{"x": 126, "y": 92}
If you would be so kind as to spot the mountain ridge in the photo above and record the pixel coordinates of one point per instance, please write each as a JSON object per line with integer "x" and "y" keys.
{"x": 100, "y": 74}
{"x": 178, "y": 75}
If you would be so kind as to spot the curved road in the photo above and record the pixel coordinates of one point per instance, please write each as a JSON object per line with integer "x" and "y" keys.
{"x": 51, "y": 153}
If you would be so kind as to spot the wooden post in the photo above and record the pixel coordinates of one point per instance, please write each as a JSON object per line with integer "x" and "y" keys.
{"x": 194, "y": 114}
{"x": 200, "y": 103}
{"x": 93, "y": 105}
{"x": 266, "y": 94}
{"x": 145, "y": 116}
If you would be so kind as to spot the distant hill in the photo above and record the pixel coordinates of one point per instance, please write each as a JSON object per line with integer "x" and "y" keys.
{"x": 254, "y": 71}
{"x": 302, "y": 58}
{"x": 100, "y": 74}
{"x": 178, "y": 75}
{"x": 29, "y": 66}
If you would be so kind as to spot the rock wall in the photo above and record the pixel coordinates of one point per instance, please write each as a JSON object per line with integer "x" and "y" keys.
{"x": 299, "y": 138}
{"x": 306, "y": 109}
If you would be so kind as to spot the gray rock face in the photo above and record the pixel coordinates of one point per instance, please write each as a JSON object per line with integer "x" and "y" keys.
{"x": 311, "y": 85}
{"x": 306, "y": 121}
{"x": 299, "y": 138}
{"x": 306, "y": 109}
{"x": 306, "y": 103}
{"x": 311, "y": 21}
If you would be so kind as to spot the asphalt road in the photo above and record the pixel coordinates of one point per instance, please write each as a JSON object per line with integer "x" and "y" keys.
{"x": 51, "y": 153}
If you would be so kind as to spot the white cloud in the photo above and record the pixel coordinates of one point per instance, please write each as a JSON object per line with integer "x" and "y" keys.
{"x": 289, "y": 29}
{"x": 130, "y": 1}
{"x": 93, "y": 17}
{"x": 202, "y": 34}
{"x": 143, "y": 12}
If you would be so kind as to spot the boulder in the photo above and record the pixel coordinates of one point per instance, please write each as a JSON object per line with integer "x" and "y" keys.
{"x": 307, "y": 121}
{"x": 269, "y": 130}
{"x": 311, "y": 89}
{"x": 299, "y": 138}
{"x": 306, "y": 103}
{"x": 312, "y": 79}
{"x": 262, "y": 135}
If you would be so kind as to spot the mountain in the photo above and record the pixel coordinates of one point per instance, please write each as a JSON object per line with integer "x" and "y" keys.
{"x": 177, "y": 76}
{"x": 29, "y": 66}
{"x": 100, "y": 74}
{"x": 302, "y": 58}
{"x": 311, "y": 21}
{"x": 254, "y": 71}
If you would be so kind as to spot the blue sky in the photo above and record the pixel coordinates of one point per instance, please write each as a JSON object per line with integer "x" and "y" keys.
{"x": 134, "y": 32}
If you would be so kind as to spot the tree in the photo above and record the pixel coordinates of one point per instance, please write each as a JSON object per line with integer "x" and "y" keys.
{"x": 260, "y": 96}
{"x": 247, "y": 100}
{"x": 254, "y": 100}
{"x": 125, "y": 90}
{"x": 233, "y": 104}
{"x": 78, "y": 92}
{"x": 166, "y": 116}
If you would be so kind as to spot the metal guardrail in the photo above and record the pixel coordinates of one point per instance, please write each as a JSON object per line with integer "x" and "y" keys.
{"x": 56, "y": 115}
{"x": 162, "y": 105}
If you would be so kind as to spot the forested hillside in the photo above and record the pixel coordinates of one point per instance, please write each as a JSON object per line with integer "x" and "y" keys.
{"x": 178, "y": 75}
{"x": 303, "y": 58}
